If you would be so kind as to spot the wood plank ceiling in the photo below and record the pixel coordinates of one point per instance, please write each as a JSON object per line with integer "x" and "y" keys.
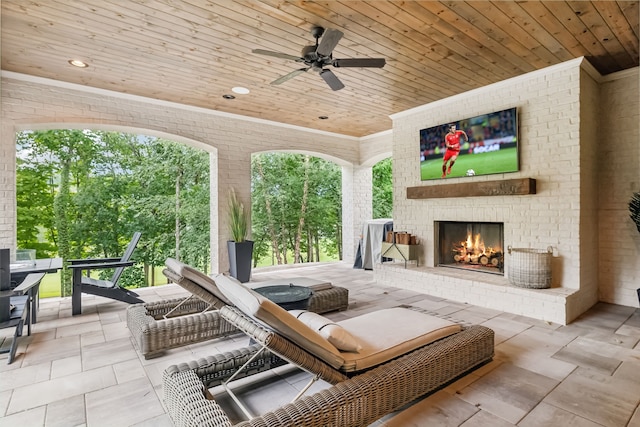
{"x": 194, "y": 51}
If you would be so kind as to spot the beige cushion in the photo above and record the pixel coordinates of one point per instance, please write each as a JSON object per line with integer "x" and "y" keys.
{"x": 329, "y": 330}
{"x": 260, "y": 308}
{"x": 197, "y": 277}
{"x": 390, "y": 333}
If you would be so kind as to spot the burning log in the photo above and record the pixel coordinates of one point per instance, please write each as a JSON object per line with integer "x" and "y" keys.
{"x": 497, "y": 259}
{"x": 477, "y": 254}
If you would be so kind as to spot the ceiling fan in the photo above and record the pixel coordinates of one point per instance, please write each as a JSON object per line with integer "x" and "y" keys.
{"x": 317, "y": 57}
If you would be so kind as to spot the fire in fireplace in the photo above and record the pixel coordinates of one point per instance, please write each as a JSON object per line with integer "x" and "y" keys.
{"x": 476, "y": 246}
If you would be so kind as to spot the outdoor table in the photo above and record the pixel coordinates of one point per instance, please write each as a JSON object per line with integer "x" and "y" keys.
{"x": 289, "y": 297}
{"x": 43, "y": 265}
{"x": 20, "y": 271}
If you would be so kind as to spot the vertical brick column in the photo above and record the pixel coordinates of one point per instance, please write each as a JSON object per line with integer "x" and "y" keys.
{"x": 7, "y": 186}
{"x": 356, "y": 206}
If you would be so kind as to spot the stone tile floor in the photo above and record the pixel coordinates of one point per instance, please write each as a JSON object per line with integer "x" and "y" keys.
{"x": 86, "y": 371}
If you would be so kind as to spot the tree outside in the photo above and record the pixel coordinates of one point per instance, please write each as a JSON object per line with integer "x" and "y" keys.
{"x": 82, "y": 194}
{"x": 296, "y": 209}
{"x": 382, "y": 177}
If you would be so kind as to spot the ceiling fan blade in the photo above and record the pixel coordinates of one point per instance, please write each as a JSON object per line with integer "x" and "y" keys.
{"x": 331, "y": 79}
{"x": 289, "y": 76}
{"x": 277, "y": 54}
{"x": 359, "y": 62}
{"x": 329, "y": 41}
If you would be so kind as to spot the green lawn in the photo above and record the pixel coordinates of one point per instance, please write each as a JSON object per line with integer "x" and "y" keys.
{"x": 266, "y": 261}
{"x": 482, "y": 164}
{"x": 50, "y": 285}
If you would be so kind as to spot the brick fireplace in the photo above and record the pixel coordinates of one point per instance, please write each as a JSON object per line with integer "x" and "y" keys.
{"x": 467, "y": 261}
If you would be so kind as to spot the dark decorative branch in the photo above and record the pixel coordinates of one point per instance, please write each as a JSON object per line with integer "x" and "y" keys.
{"x": 634, "y": 208}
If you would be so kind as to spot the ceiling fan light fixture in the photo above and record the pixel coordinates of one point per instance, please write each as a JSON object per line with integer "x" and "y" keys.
{"x": 78, "y": 63}
{"x": 240, "y": 90}
{"x": 317, "y": 57}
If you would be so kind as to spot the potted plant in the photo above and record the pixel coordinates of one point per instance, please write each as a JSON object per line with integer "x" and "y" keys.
{"x": 240, "y": 249}
{"x": 634, "y": 208}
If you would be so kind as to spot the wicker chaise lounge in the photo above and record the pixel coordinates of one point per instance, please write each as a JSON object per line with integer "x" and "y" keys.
{"x": 163, "y": 325}
{"x": 387, "y": 371}
{"x": 160, "y": 326}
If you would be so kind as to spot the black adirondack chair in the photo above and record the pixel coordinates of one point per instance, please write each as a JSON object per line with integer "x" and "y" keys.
{"x": 104, "y": 288}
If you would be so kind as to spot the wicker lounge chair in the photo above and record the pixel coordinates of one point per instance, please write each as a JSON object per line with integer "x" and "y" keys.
{"x": 160, "y": 326}
{"x": 353, "y": 402}
{"x": 168, "y": 324}
{"x": 366, "y": 386}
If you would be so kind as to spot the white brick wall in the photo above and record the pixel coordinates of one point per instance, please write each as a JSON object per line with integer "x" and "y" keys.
{"x": 530, "y": 221}
{"x": 559, "y": 138}
{"x": 619, "y": 178}
{"x": 376, "y": 147}
{"x": 589, "y": 140}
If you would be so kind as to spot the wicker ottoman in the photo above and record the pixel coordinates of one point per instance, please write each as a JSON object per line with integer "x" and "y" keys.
{"x": 188, "y": 324}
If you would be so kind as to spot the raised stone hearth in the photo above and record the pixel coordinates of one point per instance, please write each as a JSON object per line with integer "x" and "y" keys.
{"x": 485, "y": 290}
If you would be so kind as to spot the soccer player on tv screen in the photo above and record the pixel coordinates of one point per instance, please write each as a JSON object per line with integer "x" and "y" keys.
{"x": 452, "y": 148}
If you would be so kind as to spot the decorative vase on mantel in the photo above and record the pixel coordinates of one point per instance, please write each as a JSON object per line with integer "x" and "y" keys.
{"x": 240, "y": 249}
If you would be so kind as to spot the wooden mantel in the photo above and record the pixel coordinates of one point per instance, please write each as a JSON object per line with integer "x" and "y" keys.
{"x": 507, "y": 187}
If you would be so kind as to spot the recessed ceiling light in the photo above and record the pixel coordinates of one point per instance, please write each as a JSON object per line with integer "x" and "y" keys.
{"x": 323, "y": 117}
{"x": 228, "y": 97}
{"x": 240, "y": 90}
{"x": 78, "y": 63}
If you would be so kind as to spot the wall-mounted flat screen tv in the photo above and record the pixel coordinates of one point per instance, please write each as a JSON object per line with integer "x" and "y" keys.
{"x": 480, "y": 145}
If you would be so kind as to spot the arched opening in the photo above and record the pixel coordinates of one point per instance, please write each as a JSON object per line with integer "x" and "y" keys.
{"x": 296, "y": 210}
{"x": 82, "y": 193}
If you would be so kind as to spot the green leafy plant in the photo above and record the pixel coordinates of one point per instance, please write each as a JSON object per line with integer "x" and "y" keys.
{"x": 634, "y": 208}
{"x": 237, "y": 218}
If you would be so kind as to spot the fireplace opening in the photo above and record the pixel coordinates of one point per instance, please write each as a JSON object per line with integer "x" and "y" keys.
{"x": 475, "y": 246}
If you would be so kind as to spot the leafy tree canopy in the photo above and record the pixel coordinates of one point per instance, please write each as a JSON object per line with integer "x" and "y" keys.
{"x": 82, "y": 194}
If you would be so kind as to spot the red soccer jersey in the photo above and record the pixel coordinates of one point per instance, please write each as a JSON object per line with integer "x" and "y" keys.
{"x": 454, "y": 140}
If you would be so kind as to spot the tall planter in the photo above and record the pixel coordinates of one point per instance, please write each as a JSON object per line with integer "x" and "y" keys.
{"x": 240, "y": 258}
